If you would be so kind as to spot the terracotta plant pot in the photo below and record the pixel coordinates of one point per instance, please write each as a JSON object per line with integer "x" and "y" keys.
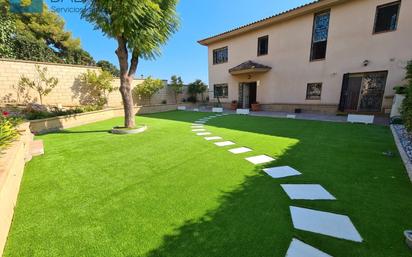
{"x": 233, "y": 106}
{"x": 256, "y": 107}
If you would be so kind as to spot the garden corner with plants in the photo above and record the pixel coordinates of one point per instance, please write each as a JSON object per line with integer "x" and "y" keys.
{"x": 8, "y": 130}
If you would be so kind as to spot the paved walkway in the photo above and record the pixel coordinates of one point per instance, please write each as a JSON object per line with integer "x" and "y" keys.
{"x": 379, "y": 120}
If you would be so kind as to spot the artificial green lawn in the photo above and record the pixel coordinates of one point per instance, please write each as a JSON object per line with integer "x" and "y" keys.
{"x": 168, "y": 192}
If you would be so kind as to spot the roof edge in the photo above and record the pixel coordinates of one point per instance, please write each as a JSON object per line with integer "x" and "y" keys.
{"x": 317, "y": 5}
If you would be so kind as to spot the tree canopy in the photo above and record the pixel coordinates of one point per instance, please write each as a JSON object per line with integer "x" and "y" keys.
{"x": 39, "y": 37}
{"x": 176, "y": 84}
{"x": 142, "y": 25}
{"x": 109, "y": 67}
{"x": 140, "y": 28}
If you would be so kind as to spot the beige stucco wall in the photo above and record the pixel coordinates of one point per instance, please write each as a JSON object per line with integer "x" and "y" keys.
{"x": 66, "y": 92}
{"x": 350, "y": 42}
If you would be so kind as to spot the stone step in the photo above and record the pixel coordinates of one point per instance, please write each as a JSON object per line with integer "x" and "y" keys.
{"x": 37, "y": 148}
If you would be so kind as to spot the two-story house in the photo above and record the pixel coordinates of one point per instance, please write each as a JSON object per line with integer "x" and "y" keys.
{"x": 325, "y": 56}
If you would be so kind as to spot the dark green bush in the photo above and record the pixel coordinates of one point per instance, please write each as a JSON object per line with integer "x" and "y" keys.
{"x": 406, "y": 110}
{"x": 400, "y": 90}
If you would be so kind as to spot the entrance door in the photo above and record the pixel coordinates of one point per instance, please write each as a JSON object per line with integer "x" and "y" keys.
{"x": 247, "y": 94}
{"x": 363, "y": 92}
{"x": 373, "y": 88}
{"x": 352, "y": 95}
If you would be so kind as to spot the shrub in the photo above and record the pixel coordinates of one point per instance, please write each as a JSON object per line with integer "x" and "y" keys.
{"x": 195, "y": 88}
{"x": 192, "y": 99}
{"x": 43, "y": 85}
{"x": 400, "y": 90}
{"x": 95, "y": 88}
{"x": 148, "y": 88}
{"x": 406, "y": 109}
{"x": 8, "y": 131}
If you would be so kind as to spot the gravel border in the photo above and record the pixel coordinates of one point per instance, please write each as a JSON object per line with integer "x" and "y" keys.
{"x": 403, "y": 141}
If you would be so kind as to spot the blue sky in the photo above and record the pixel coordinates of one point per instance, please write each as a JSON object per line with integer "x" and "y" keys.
{"x": 182, "y": 55}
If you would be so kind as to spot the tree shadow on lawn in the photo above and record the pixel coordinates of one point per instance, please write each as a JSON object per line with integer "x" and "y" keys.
{"x": 254, "y": 220}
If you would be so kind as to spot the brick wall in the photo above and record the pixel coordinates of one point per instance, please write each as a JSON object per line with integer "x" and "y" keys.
{"x": 66, "y": 92}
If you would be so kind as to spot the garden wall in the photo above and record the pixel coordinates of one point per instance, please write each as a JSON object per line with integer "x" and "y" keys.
{"x": 12, "y": 162}
{"x": 64, "y": 122}
{"x": 67, "y": 92}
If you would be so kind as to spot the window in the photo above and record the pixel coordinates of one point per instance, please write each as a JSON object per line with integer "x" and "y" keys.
{"x": 221, "y": 91}
{"x": 220, "y": 55}
{"x": 314, "y": 91}
{"x": 320, "y": 36}
{"x": 387, "y": 17}
{"x": 263, "y": 45}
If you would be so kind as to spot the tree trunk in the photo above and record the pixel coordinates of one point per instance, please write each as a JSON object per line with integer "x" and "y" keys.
{"x": 126, "y": 92}
{"x": 126, "y": 79}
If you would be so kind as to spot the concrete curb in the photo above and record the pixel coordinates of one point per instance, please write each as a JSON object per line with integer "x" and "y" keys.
{"x": 404, "y": 156}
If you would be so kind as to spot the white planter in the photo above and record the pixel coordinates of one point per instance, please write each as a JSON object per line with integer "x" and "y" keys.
{"x": 397, "y": 103}
{"x": 366, "y": 119}
{"x": 217, "y": 110}
{"x": 408, "y": 238}
{"x": 181, "y": 108}
{"x": 242, "y": 111}
{"x": 291, "y": 116}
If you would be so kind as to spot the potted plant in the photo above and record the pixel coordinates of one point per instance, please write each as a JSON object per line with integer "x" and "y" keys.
{"x": 408, "y": 236}
{"x": 256, "y": 107}
{"x": 233, "y": 105}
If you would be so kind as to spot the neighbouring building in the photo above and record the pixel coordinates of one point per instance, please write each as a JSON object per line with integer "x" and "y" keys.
{"x": 325, "y": 56}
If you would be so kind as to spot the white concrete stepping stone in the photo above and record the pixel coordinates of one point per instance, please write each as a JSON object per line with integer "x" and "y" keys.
{"x": 212, "y": 138}
{"x": 200, "y": 122}
{"x": 299, "y": 249}
{"x": 198, "y": 130}
{"x": 204, "y": 134}
{"x": 240, "y": 150}
{"x": 325, "y": 223}
{"x": 225, "y": 143}
{"x": 260, "y": 159}
{"x": 307, "y": 192}
{"x": 282, "y": 172}
{"x": 197, "y": 125}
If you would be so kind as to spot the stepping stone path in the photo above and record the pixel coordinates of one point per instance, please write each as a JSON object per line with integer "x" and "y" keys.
{"x": 300, "y": 249}
{"x": 212, "y": 138}
{"x": 307, "y": 192}
{"x": 260, "y": 159}
{"x": 240, "y": 150}
{"x": 225, "y": 143}
{"x": 282, "y": 172}
{"x": 204, "y": 134}
{"x": 325, "y": 223}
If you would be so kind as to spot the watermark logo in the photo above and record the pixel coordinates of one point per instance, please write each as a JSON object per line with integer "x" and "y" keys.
{"x": 21, "y": 6}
